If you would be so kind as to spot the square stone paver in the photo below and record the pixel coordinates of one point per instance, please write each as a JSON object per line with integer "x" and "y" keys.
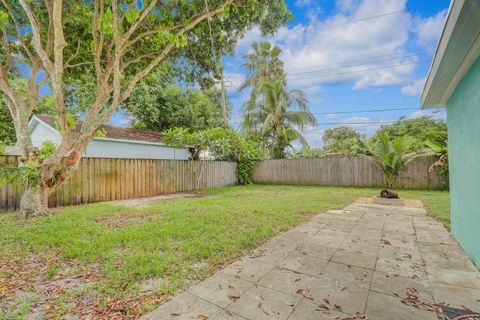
{"x": 314, "y": 250}
{"x": 355, "y": 258}
{"x": 248, "y": 269}
{"x": 404, "y": 267}
{"x": 184, "y": 307}
{"x": 456, "y": 278}
{"x": 348, "y": 276}
{"x": 446, "y": 257}
{"x": 435, "y": 237}
{"x": 310, "y": 311}
{"x": 363, "y": 244}
{"x": 261, "y": 303}
{"x": 272, "y": 256}
{"x": 339, "y": 225}
{"x": 220, "y": 289}
{"x": 327, "y": 238}
{"x": 288, "y": 282}
{"x": 385, "y": 307}
{"x": 458, "y": 297}
{"x": 398, "y": 286}
{"x": 228, "y": 315}
{"x": 337, "y": 295}
{"x": 303, "y": 263}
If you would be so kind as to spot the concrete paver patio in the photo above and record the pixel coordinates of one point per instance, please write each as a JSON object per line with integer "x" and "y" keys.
{"x": 381, "y": 261}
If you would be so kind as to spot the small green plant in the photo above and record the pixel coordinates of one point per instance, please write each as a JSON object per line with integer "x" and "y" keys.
{"x": 441, "y": 150}
{"x": 71, "y": 121}
{"x": 221, "y": 144}
{"x": 101, "y": 133}
{"x": 392, "y": 156}
{"x": 48, "y": 148}
{"x": 24, "y": 175}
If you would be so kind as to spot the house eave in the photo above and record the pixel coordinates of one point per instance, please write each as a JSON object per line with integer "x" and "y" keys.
{"x": 38, "y": 120}
{"x": 457, "y": 51}
{"x": 130, "y": 141}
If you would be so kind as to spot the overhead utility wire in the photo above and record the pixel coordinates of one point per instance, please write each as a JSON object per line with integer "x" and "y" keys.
{"x": 364, "y": 111}
{"x": 372, "y": 59}
{"x": 363, "y": 70}
{"x": 368, "y": 122}
{"x": 370, "y": 18}
{"x": 356, "y": 64}
{"x": 350, "y": 66}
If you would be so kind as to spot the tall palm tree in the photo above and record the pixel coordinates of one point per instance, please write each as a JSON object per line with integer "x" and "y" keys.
{"x": 262, "y": 64}
{"x": 283, "y": 113}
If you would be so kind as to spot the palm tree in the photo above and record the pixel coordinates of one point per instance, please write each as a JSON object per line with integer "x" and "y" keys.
{"x": 283, "y": 113}
{"x": 262, "y": 64}
{"x": 392, "y": 155}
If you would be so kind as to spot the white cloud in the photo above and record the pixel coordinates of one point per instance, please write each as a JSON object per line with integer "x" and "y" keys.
{"x": 233, "y": 80}
{"x": 340, "y": 49}
{"x": 313, "y": 136}
{"x": 245, "y": 43}
{"x": 303, "y": 3}
{"x": 428, "y": 30}
{"x": 413, "y": 89}
{"x": 363, "y": 126}
{"x": 437, "y": 114}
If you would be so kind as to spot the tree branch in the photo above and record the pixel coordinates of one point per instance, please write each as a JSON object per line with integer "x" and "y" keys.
{"x": 36, "y": 38}
{"x": 18, "y": 29}
{"x": 196, "y": 20}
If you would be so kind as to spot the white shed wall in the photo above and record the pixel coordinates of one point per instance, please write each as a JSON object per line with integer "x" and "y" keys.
{"x": 119, "y": 149}
{"x": 42, "y": 133}
{"x": 100, "y": 148}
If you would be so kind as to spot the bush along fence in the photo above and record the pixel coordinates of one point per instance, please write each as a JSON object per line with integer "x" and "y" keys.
{"x": 102, "y": 179}
{"x": 358, "y": 171}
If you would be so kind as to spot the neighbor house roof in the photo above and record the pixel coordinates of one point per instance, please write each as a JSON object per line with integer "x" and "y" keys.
{"x": 111, "y": 132}
{"x": 458, "y": 49}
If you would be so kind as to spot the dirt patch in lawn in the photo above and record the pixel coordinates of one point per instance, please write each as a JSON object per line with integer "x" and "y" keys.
{"x": 145, "y": 202}
{"x": 411, "y": 203}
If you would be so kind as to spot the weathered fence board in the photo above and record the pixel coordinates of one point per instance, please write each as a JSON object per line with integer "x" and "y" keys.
{"x": 99, "y": 179}
{"x": 358, "y": 171}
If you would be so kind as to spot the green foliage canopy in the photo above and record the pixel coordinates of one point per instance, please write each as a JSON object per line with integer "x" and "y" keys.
{"x": 419, "y": 130}
{"x": 343, "y": 141}
{"x": 221, "y": 144}
{"x": 157, "y": 105}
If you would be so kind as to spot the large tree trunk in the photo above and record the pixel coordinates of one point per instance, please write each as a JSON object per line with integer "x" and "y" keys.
{"x": 34, "y": 202}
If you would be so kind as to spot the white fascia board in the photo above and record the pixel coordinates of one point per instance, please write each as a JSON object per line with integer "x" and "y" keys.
{"x": 448, "y": 67}
{"x": 35, "y": 118}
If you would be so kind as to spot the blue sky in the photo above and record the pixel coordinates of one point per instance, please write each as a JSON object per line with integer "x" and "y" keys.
{"x": 352, "y": 55}
{"x": 349, "y": 56}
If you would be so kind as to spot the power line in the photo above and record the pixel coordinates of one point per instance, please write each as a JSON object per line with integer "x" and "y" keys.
{"x": 363, "y": 70}
{"x": 420, "y": 53}
{"x": 358, "y": 64}
{"x": 364, "y": 111}
{"x": 335, "y": 75}
{"x": 369, "y": 18}
{"x": 351, "y": 123}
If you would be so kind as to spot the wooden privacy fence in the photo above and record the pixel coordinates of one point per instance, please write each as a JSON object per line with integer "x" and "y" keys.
{"x": 100, "y": 179}
{"x": 345, "y": 171}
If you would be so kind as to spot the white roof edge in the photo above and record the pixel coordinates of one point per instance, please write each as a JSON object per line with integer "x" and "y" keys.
{"x": 457, "y": 9}
{"x": 34, "y": 117}
{"x": 104, "y": 138}
{"x": 130, "y": 141}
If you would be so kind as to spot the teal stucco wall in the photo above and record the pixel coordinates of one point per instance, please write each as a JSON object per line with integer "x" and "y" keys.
{"x": 463, "y": 117}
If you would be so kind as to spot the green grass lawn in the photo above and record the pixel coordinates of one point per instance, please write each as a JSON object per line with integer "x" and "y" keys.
{"x": 109, "y": 251}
